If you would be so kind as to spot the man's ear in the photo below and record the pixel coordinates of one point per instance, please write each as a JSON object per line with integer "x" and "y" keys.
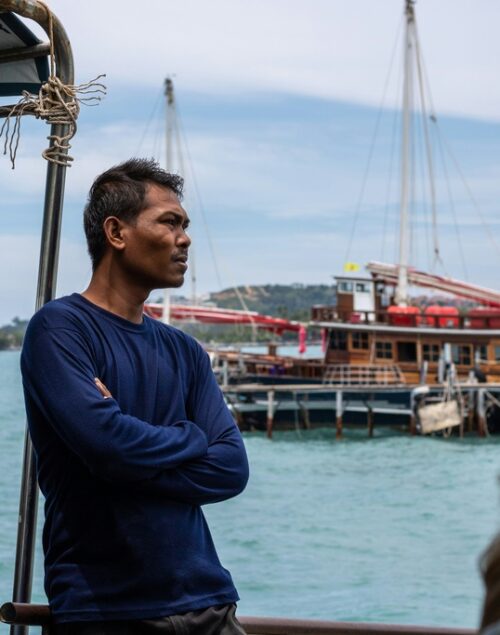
{"x": 113, "y": 230}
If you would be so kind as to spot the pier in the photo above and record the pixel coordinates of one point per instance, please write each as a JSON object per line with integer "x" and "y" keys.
{"x": 271, "y": 407}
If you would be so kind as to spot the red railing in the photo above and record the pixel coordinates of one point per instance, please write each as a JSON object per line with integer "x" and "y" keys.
{"x": 421, "y": 320}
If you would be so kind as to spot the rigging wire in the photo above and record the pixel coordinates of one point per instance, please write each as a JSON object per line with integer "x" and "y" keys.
{"x": 196, "y": 191}
{"x": 418, "y": 198}
{"x": 424, "y": 211}
{"x": 180, "y": 138}
{"x": 206, "y": 227}
{"x": 150, "y": 119}
{"x": 158, "y": 139}
{"x": 442, "y": 141}
{"x": 452, "y": 207}
{"x": 372, "y": 146}
{"x": 489, "y": 231}
{"x": 423, "y": 106}
{"x": 396, "y": 123}
{"x": 396, "y": 220}
{"x": 183, "y": 172}
{"x": 413, "y": 185}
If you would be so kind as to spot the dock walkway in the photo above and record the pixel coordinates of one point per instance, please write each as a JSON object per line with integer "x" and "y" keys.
{"x": 307, "y": 405}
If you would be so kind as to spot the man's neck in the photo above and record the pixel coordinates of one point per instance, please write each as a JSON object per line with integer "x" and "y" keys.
{"x": 124, "y": 300}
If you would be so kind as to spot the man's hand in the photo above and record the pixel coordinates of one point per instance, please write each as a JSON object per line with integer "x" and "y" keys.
{"x": 102, "y": 389}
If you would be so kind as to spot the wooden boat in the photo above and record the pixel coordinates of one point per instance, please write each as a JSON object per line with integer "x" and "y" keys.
{"x": 418, "y": 345}
{"x": 376, "y": 337}
{"x": 374, "y": 332}
{"x": 375, "y": 321}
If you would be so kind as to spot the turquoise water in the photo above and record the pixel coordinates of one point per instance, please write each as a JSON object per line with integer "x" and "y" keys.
{"x": 387, "y": 529}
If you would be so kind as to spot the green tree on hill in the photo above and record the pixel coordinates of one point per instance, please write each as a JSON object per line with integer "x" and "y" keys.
{"x": 11, "y": 335}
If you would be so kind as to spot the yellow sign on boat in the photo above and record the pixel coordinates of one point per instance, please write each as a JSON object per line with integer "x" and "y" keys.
{"x": 351, "y": 266}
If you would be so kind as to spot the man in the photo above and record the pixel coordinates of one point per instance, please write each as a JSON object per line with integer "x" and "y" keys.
{"x": 130, "y": 430}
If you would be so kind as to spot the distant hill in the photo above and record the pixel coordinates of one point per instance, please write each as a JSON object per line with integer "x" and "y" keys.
{"x": 292, "y": 302}
{"x": 287, "y": 301}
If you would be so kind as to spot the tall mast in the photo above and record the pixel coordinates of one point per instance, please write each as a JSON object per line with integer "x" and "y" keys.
{"x": 401, "y": 298}
{"x": 173, "y": 138}
{"x": 169, "y": 120}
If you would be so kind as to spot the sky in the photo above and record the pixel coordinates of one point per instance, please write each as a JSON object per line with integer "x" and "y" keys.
{"x": 279, "y": 101}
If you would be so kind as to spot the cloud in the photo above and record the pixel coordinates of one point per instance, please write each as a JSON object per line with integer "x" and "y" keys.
{"x": 279, "y": 163}
{"x": 327, "y": 48}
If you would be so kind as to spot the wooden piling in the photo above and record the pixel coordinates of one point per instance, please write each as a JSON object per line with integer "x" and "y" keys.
{"x": 296, "y": 413}
{"x": 305, "y": 415}
{"x": 481, "y": 412}
{"x": 225, "y": 373}
{"x": 413, "y": 424}
{"x": 470, "y": 411}
{"x": 369, "y": 418}
{"x": 413, "y": 416}
{"x": 270, "y": 414}
{"x": 339, "y": 412}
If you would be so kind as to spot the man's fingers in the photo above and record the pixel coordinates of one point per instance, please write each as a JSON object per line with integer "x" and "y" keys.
{"x": 102, "y": 388}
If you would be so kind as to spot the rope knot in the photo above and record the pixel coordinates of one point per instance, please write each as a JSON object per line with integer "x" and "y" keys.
{"x": 56, "y": 103}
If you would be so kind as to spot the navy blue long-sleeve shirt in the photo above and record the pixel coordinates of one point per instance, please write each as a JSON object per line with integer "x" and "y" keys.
{"x": 124, "y": 477}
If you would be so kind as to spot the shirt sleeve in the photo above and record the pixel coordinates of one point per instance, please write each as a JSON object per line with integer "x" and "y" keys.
{"x": 223, "y": 472}
{"x": 59, "y": 378}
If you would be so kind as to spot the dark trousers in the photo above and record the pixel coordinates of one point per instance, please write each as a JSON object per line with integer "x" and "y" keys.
{"x": 216, "y": 620}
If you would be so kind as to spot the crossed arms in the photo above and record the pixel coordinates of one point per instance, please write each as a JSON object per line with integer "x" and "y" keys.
{"x": 196, "y": 462}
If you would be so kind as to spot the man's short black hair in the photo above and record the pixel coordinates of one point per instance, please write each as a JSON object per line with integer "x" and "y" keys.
{"x": 121, "y": 192}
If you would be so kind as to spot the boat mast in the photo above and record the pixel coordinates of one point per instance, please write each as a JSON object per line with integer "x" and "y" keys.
{"x": 173, "y": 136}
{"x": 401, "y": 297}
{"x": 169, "y": 120}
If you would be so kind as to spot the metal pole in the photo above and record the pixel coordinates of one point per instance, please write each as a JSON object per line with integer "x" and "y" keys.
{"x": 47, "y": 275}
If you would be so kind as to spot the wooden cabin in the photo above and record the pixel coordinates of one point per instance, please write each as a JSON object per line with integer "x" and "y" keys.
{"x": 364, "y": 329}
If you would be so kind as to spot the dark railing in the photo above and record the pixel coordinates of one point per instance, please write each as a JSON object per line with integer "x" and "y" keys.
{"x": 284, "y": 626}
{"x": 25, "y": 614}
{"x": 39, "y": 615}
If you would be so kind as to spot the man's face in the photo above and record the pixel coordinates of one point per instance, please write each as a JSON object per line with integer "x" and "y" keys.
{"x": 157, "y": 245}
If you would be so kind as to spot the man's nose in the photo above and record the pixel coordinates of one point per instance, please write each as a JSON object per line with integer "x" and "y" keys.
{"x": 184, "y": 238}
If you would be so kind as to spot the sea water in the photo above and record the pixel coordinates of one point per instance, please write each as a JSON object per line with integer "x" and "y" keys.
{"x": 387, "y": 529}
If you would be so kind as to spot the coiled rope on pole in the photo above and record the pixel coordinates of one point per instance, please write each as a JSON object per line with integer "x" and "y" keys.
{"x": 56, "y": 103}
